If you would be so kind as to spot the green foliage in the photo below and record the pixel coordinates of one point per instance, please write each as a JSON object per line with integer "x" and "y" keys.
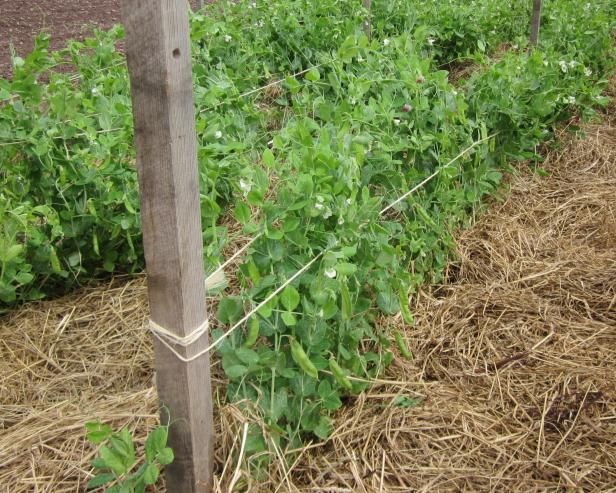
{"x": 309, "y": 162}
{"x": 117, "y": 459}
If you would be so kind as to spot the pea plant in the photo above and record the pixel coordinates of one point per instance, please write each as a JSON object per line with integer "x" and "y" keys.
{"x": 117, "y": 458}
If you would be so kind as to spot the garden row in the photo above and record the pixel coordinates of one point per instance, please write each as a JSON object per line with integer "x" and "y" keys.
{"x": 309, "y": 164}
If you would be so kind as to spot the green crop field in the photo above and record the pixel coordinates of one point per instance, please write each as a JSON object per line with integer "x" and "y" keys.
{"x": 307, "y": 130}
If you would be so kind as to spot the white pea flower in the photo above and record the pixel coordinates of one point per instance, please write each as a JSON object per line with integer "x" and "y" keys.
{"x": 327, "y": 214}
{"x": 252, "y": 5}
{"x": 340, "y": 221}
{"x": 218, "y": 134}
{"x": 331, "y": 273}
{"x": 573, "y": 64}
{"x": 545, "y": 63}
{"x": 228, "y": 38}
{"x": 386, "y": 42}
{"x": 245, "y": 186}
{"x": 396, "y": 121}
{"x": 587, "y": 72}
{"x": 563, "y": 66}
{"x": 515, "y": 46}
{"x": 261, "y": 23}
{"x": 318, "y": 206}
{"x": 571, "y": 100}
{"x": 320, "y": 199}
{"x": 95, "y": 91}
{"x": 348, "y": 201}
{"x": 360, "y": 59}
{"x": 431, "y": 41}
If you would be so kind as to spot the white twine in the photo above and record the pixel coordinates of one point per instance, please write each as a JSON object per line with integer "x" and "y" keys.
{"x": 266, "y": 86}
{"x": 167, "y": 337}
{"x": 239, "y": 96}
{"x": 421, "y": 184}
{"x": 232, "y": 258}
{"x": 172, "y": 337}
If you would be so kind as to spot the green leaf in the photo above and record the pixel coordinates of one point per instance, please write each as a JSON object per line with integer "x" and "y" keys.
{"x": 324, "y": 428}
{"x": 247, "y": 355}
{"x": 122, "y": 445}
{"x": 156, "y": 441}
{"x": 313, "y": 75}
{"x": 346, "y": 269}
{"x": 113, "y": 461}
{"x": 236, "y": 371}
{"x": 388, "y": 302}
{"x": 305, "y": 186}
{"x": 98, "y": 463}
{"x": 165, "y": 456}
{"x": 242, "y": 212}
{"x": 406, "y": 402}
{"x": 274, "y": 234}
{"x": 349, "y": 251}
{"x": 266, "y": 310}
{"x": 230, "y": 309}
{"x": 23, "y": 278}
{"x": 98, "y": 432}
{"x": 329, "y": 309}
{"x": 330, "y": 396}
{"x": 255, "y": 197}
{"x": 268, "y": 158}
{"x": 289, "y": 319}
{"x": 100, "y": 479}
{"x": 151, "y": 473}
{"x": 253, "y": 272}
{"x": 10, "y": 253}
{"x": 279, "y": 404}
{"x": 292, "y": 84}
{"x": 290, "y": 298}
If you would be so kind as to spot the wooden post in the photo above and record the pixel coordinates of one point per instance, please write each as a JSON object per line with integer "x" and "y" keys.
{"x": 368, "y": 21}
{"x": 159, "y": 62}
{"x": 535, "y": 23}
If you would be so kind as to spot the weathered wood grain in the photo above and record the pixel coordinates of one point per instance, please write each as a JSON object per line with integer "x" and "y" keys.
{"x": 535, "y": 23}
{"x": 158, "y": 53}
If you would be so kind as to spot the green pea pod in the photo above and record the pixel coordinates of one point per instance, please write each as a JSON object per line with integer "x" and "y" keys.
{"x": 301, "y": 358}
{"x": 95, "y": 243}
{"x": 55, "y": 262}
{"x": 402, "y": 345}
{"x": 339, "y": 375}
{"x": 347, "y": 307}
{"x": 425, "y": 216}
{"x": 253, "y": 332}
{"x": 404, "y": 307}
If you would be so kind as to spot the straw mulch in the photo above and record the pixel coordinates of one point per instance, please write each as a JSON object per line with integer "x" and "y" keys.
{"x": 512, "y": 386}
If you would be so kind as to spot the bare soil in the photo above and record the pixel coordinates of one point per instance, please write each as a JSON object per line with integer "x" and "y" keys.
{"x": 22, "y": 21}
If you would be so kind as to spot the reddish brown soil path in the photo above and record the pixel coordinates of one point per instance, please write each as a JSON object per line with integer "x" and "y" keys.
{"x": 22, "y": 20}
